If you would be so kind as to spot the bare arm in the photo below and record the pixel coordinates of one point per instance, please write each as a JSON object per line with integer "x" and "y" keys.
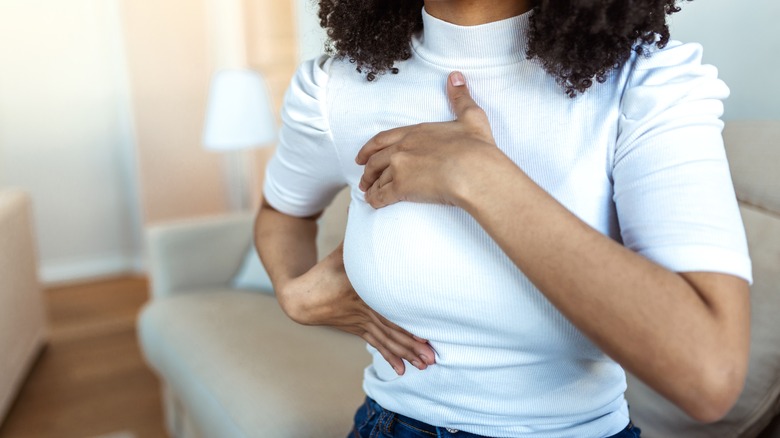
{"x": 315, "y": 293}
{"x": 286, "y": 245}
{"x": 684, "y": 334}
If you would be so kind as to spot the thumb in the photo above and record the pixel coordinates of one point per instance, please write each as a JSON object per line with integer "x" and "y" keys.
{"x": 459, "y": 96}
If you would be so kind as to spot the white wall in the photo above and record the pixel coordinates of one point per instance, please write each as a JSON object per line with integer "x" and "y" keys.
{"x": 741, "y": 39}
{"x": 66, "y": 130}
{"x": 311, "y": 36}
{"x": 66, "y": 133}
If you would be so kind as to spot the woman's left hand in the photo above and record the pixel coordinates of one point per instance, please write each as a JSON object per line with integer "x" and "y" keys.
{"x": 430, "y": 162}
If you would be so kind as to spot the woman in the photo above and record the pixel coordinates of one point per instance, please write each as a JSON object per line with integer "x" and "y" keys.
{"x": 518, "y": 233}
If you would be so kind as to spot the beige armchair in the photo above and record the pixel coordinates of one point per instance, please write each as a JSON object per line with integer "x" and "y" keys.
{"x": 22, "y": 316}
{"x": 231, "y": 362}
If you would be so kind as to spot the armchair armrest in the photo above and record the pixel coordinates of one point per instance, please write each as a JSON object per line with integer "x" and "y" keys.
{"x": 22, "y": 311}
{"x": 197, "y": 253}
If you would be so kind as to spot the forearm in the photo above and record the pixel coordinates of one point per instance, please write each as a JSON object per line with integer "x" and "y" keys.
{"x": 286, "y": 245}
{"x": 652, "y": 321}
{"x": 324, "y": 296}
{"x": 685, "y": 334}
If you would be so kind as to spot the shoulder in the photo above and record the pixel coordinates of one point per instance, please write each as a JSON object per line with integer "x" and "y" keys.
{"x": 662, "y": 77}
{"x": 304, "y": 101}
{"x": 314, "y": 75}
{"x": 674, "y": 54}
{"x": 311, "y": 77}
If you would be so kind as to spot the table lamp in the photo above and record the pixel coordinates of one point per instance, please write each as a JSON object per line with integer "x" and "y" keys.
{"x": 239, "y": 117}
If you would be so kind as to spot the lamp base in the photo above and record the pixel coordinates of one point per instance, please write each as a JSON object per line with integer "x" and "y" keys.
{"x": 237, "y": 179}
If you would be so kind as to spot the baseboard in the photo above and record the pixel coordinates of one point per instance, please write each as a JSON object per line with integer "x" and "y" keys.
{"x": 63, "y": 271}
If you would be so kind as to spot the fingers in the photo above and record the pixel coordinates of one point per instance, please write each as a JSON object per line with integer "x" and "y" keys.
{"x": 390, "y": 357}
{"x": 379, "y": 142}
{"x": 421, "y": 349}
{"x": 384, "y": 179}
{"x": 458, "y": 92}
{"x": 462, "y": 104}
{"x": 395, "y": 344}
{"x": 375, "y": 167}
{"x": 382, "y": 194}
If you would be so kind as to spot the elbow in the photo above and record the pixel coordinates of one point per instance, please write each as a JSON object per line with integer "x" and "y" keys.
{"x": 712, "y": 408}
{"x": 291, "y": 306}
{"x": 293, "y": 310}
{"x": 717, "y": 391}
{"x": 288, "y": 304}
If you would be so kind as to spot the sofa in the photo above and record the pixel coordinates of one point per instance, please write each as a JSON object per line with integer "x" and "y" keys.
{"x": 23, "y": 331}
{"x": 233, "y": 365}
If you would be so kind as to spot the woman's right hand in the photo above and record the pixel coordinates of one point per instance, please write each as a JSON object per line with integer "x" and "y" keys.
{"x": 324, "y": 296}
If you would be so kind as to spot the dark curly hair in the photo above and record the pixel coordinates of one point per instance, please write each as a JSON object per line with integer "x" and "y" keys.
{"x": 576, "y": 41}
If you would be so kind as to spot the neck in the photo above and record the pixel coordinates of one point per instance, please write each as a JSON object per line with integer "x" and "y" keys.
{"x": 474, "y": 12}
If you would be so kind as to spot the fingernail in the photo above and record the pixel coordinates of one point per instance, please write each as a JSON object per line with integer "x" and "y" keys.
{"x": 424, "y": 358}
{"x": 398, "y": 371}
{"x": 457, "y": 79}
{"x": 416, "y": 364}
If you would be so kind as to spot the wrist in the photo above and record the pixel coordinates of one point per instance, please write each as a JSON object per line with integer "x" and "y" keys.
{"x": 484, "y": 172}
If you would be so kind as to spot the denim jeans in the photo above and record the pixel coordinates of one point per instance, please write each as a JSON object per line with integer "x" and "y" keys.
{"x": 373, "y": 421}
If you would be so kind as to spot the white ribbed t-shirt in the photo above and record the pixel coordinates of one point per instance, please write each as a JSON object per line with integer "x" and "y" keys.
{"x": 639, "y": 158}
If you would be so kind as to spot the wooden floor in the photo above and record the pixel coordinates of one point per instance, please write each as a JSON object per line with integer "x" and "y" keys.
{"x": 90, "y": 379}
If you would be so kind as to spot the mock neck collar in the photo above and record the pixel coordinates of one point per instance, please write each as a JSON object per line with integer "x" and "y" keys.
{"x": 491, "y": 44}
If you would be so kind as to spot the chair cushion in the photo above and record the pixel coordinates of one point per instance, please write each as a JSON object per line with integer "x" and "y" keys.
{"x": 242, "y": 368}
{"x": 753, "y": 155}
{"x": 760, "y": 400}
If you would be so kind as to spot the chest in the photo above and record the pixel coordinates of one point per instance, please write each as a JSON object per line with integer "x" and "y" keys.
{"x": 565, "y": 145}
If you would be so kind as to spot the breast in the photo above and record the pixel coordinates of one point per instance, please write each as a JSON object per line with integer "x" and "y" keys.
{"x": 434, "y": 271}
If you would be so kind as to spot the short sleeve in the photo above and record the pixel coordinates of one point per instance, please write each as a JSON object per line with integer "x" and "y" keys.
{"x": 304, "y": 174}
{"x": 672, "y": 188}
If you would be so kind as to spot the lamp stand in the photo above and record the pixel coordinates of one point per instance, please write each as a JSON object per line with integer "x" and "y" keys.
{"x": 238, "y": 175}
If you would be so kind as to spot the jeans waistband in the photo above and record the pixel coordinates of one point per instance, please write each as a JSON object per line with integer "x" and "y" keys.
{"x": 431, "y": 431}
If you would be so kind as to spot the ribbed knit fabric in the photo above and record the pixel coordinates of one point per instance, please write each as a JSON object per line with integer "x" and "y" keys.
{"x": 640, "y": 158}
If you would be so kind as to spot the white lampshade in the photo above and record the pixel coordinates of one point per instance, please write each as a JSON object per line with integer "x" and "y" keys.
{"x": 239, "y": 113}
